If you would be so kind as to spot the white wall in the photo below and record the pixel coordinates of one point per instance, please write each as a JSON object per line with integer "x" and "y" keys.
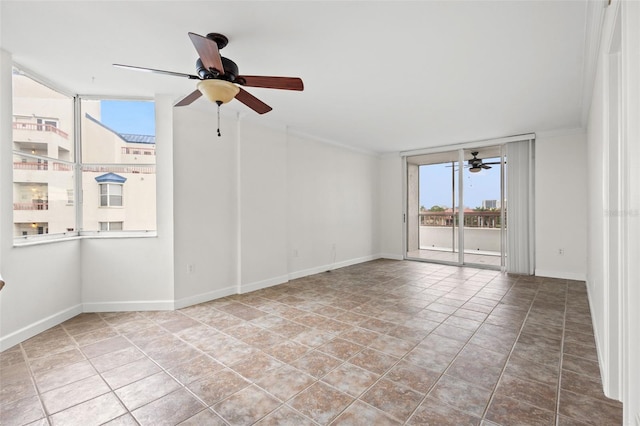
{"x": 596, "y": 248}
{"x": 42, "y": 282}
{"x": 391, "y": 221}
{"x": 121, "y": 274}
{"x": 332, "y": 206}
{"x": 614, "y": 207}
{"x": 561, "y": 205}
{"x": 205, "y": 206}
{"x": 263, "y": 206}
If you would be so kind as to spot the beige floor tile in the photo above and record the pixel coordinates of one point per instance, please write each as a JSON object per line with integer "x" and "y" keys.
{"x": 246, "y": 406}
{"x": 382, "y": 342}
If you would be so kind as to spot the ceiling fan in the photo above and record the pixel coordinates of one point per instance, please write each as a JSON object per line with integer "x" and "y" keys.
{"x": 220, "y": 79}
{"x": 476, "y": 164}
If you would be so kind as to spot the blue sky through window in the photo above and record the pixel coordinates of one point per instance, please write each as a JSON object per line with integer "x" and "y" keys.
{"x": 136, "y": 117}
{"x": 435, "y": 185}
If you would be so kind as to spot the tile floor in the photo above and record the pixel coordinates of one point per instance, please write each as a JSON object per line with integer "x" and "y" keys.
{"x": 380, "y": 343}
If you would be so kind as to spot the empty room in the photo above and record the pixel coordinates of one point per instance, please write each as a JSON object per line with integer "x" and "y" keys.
{"x": 319, "y": 212}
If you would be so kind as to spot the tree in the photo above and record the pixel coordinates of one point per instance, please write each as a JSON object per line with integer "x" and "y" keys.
{"x": 437, "y": 209}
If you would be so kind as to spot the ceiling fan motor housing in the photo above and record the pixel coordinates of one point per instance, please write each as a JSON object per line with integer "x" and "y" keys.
{"x": 230, "y": 70}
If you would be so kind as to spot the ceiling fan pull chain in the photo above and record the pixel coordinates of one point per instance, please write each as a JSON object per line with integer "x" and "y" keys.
{"x": 219, "y": 103}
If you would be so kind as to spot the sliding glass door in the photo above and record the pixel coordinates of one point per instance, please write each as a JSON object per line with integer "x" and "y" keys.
{"x": 433, "y": 193}
{"x": 454, "y": 207}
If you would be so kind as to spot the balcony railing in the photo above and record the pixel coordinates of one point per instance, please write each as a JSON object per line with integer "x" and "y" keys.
{"x": 36, "y": 205}
{"x": 138, "y": 151}
{"x": 40, "y": 128}
{"x": 119, "y": 169}
{"x": 44, "y": 165}
{"x": 472, "y": 219}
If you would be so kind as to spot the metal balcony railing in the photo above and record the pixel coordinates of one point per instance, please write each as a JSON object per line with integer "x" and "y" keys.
{"x": 36, "y": 205}
{"x": 472, "y": 219}
{"x": 40, "y": 128}
{"x": 138, "y": 151}
{"x": 43, "y": 165}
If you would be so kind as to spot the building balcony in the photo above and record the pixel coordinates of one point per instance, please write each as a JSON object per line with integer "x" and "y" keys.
{"x": 35, "y": 127}
{"x": 472, "y": 219}
{"x": 41, "y": 134}
{"x": 41, "y": 165}
{"x": 35, "y": 205}
{"x": 438, "y": 237}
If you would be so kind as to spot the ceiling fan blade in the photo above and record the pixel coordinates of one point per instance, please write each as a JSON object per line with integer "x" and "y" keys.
{"x": 493, "y": 162}
{"x": 286, "y": 83}
{"x": 484, "y": 166}
{"x": 252, "y": 102}
{"x": 208, "y": 51}
{"x": 175, "y": 74}
{"x": 187, "y": 100}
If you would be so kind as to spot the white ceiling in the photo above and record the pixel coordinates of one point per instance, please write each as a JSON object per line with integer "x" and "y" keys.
{"x": 379, "y": 75}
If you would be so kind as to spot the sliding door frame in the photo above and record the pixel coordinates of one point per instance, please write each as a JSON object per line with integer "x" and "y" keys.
{"x": 460, "y": 148}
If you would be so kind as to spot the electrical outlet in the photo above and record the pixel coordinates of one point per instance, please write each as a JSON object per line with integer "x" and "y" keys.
{"x": 560, "y": 251}
{"x": 295, "y": 253}
{"x": 191, "y": 268}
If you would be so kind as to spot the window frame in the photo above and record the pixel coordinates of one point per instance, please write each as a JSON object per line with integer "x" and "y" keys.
{"x": 109, "y": 224}
{"x": 77, "y": 166}
{"x": 109, "y": 195}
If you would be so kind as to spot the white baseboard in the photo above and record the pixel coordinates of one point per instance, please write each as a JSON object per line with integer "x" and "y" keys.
{"x": 127, "y": 306}
{"x": 391, "y": 256}
{"x": 38, "y": 327}
{"x": 204, "y": 297}
{"x": 596, "y": 336}
{"x": 561, "y": 274}
{"x": 324, "y": 268}
{"x": 259, "y": 285}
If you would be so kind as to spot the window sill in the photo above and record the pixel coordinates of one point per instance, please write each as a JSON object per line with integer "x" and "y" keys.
{"x": 45, "y": 239}
{"x": 83, "y": 235}
{"x": 118, "y": 234}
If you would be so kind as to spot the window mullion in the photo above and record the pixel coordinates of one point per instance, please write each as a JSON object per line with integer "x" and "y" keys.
{"x": 77, "y": 115}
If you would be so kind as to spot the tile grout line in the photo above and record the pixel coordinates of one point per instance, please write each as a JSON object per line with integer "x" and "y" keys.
{"x": 524, "y": 321}
{"x": 559, "y": 386}
{"x": 454, "y": 359}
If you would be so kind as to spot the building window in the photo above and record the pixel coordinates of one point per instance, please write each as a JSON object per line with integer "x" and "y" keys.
{"x": 110, "y": 226}
{"x": 43, "y": 158}
{"x": 110, "y": 195}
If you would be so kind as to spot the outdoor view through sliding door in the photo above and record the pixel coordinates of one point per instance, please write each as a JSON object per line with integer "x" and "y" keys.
{"x": 483, "y": 205}
{"x": 435, "y": 196}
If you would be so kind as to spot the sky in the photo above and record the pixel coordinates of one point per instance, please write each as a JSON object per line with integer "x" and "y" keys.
{"x": 136, "y": 117}
{"x": 435, "y": 185}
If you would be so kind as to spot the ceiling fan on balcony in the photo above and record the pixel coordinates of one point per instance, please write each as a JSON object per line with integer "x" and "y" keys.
{"x": 476, "y": 164}
{"x": 220, "y": 79}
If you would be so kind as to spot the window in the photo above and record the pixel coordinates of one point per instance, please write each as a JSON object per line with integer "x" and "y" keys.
{"x": 118, "y": 164}
{"x": 43, "y": 159}
{"x": 110, "y": 226}
{"x": 117, "y": 141}
{"x": 110, "y": 195}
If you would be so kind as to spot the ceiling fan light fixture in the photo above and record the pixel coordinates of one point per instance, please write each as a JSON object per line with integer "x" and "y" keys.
{"x": 218, "y": 90}
{"x": 475, "y": 169}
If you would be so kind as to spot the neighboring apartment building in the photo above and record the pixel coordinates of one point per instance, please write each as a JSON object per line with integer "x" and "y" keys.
{"x": 118, "y": 180}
